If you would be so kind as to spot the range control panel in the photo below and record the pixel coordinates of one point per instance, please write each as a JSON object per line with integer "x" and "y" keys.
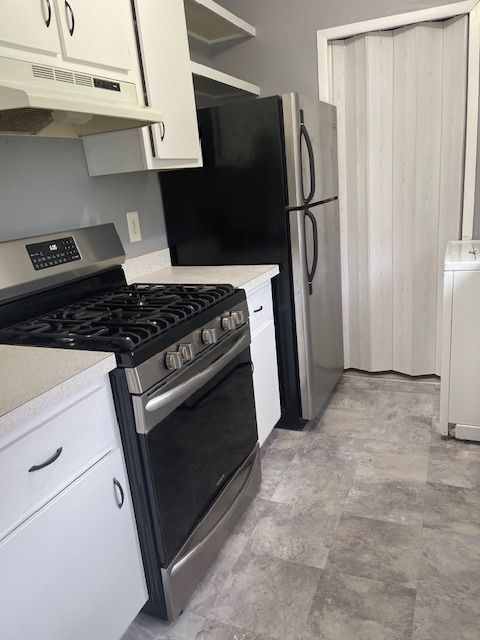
{"x": 50, "y": 254}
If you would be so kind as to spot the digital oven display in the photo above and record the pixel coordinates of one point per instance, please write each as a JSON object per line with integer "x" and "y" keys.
{"x": 50, "y": 254}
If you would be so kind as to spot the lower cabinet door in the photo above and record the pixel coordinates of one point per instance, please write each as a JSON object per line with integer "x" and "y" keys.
{"x": 265, "y": 380}
{"x": 73, "y": 570}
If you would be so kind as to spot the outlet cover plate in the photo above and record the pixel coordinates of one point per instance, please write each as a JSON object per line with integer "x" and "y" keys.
{"x": 134, "y": 226}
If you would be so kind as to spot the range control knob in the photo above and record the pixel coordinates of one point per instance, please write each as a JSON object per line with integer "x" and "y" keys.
{"x": 238, "y": 317}
{"x": 186, "y": 351}
{"x": 209, "y": 336}
{"x": 228, "y": 323}
{"x": 173, "y": 360}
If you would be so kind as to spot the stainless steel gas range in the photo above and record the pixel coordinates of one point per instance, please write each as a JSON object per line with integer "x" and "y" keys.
{"x": 183, "y": 390}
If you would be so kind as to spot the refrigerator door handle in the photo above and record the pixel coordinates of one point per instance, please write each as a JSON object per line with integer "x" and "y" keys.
{"x": 311, "y": 160}
{"x": 313, "y": 269}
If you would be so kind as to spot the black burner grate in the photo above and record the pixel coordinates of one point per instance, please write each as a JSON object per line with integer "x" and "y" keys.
{"x": 122, "y": 320}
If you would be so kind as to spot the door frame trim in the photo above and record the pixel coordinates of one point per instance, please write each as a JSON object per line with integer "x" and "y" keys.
{"x": 471, "y": 8}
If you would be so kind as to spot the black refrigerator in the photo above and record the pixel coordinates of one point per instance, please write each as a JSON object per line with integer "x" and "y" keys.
{"x": 268, "y": 194}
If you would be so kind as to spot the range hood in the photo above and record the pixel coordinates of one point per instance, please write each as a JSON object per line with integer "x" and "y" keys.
{"x": 42, "y": 100}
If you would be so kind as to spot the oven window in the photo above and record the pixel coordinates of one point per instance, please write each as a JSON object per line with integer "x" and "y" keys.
{"x": 193, "y": 451}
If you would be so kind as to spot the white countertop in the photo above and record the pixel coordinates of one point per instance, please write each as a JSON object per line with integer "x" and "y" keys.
{"x": 28, "y": 373}
{"x": 246, "y": 277}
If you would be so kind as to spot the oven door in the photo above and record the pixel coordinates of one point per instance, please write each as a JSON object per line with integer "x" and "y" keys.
{"x": 198, "y": 429}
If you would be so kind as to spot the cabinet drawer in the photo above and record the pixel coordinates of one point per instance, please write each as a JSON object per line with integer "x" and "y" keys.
{"x": 72, "y": 441}
{"x": 260, "y": 307}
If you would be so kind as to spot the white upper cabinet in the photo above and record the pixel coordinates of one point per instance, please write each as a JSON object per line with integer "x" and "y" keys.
{"x": 162, "y": 32}
{"x": 168, "y": 78}
{"x": 95, "y": 32}
{"x": 167, "y": 75}
{"x": 30, "y": 25}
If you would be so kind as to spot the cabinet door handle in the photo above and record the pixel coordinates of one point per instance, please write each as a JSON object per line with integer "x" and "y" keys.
{"x": 70, "y": 18}
{"x": 162, "y": 130}
{"x": 56, "y": 455}
{"x": 48, "y": 16}
{"x": 259, "y": 309}
{"x": 117, "y": 487}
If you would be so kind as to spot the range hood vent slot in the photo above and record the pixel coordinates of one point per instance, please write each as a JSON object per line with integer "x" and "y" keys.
{"x": 61, "y": 75}
{"x": 40, "y": 71}
{"x": 83, "y": 79}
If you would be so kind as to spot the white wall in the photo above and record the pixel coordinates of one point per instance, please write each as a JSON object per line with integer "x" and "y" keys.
{"x": 45, "y": 187}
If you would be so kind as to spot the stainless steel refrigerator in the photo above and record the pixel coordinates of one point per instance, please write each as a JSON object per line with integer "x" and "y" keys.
{"x": 268, "y": 193}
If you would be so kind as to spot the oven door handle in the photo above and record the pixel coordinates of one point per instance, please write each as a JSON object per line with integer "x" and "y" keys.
{"x": 193, "y": 384}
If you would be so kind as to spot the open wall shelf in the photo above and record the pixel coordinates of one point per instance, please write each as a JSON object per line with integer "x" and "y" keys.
{"x": 210, "y": 83}
{"x": 211, "y": 23}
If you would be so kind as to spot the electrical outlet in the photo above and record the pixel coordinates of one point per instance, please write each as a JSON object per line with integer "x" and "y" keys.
{"x": 133, "y": 226}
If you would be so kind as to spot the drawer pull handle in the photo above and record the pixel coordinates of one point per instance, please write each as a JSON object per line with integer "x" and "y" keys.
{"x": 117, "y": 485}
{"x": 259, "y": 309}
{"x": 56, "y": 455}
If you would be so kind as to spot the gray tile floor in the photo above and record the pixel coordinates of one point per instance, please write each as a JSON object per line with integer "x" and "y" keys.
{"x": 367, "y": 527}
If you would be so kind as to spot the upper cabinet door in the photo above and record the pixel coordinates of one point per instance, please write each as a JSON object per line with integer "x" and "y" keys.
{"x": 168, "y": 77}
{"x": 29, "y": 24}
{"x": 96, "y": 32}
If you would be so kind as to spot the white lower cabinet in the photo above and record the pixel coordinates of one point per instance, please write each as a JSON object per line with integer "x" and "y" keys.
{"x": 265, "y": 380}
{"x": 70, "y": 561}
{"x": 73, "y": 570}
{"x": 264, "y": 358}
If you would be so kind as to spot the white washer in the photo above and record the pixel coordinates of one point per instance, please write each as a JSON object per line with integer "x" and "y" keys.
{"x": 460, "y": 386}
